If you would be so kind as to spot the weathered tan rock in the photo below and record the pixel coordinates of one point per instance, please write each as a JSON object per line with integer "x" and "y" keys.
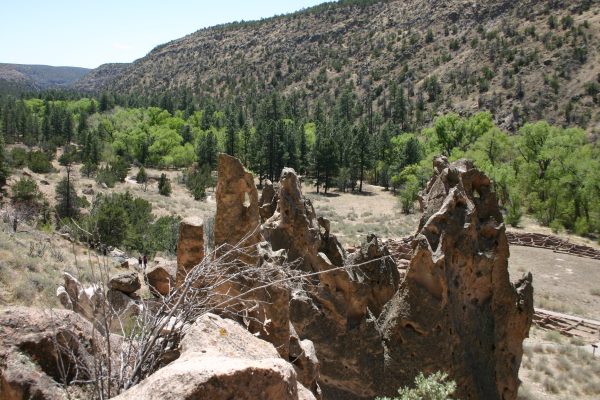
{"x": 121, "y": 309}
{"x": 85, "y": 301}
{"x": 267, "y": 202}
{"x": 304, "y": 358}
{"x": 29, "y": 367}
{"x": 221, "y": 360}
{"x": 294, "y": 226}
{"x": 457, "y": 309}
{"x": 127, "y": 282}
{"x": 190, "y": 246}
{"x": 161, "y": 277}
{"x": 237, "y": 218}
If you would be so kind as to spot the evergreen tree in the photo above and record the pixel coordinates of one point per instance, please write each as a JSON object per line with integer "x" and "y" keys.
{"x": 142, "y": 177}
{"x": 362, "y": 151}
{"x": 66, "y": 199}
{"x": 208, "y": 150}
{"x": 3, "y": 167}
{"x": 164, "y": 185}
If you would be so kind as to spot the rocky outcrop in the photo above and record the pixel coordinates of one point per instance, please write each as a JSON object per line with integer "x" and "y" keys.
{"x": 114, "y": 307}
{"x": 161, "y": 278}
{"x": 453, "y": 308}
{"x": 457, "y": 310}
{"x": 85, "y": 301}
{"x": 267, "y": 203}
{"x": 190, "y": 246}
{"x": 222, "y": 360}
{"x": 237, "y": 218}
{"x": 363, "y": 325}
{"x": 31, "y": 344}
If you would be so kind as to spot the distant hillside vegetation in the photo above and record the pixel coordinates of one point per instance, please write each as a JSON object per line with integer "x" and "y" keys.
{"x": 523, "y": 60}
{"x": 100, "y": 77}
{"x": 39, "y": 77}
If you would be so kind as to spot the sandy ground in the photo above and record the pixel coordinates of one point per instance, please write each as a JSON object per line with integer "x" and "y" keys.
{"x": 561, "y": 282}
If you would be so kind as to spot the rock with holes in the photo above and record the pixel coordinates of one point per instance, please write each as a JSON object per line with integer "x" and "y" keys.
{"x": 267, "y": 202}
{"x": 336, "y": 312}
{"x": 453, "y": 308}
{"x": 222, "y": 360}
{"x": 237, "y": 218}
{"x": 33, "y": 341}
{"x": 457, "y": 309}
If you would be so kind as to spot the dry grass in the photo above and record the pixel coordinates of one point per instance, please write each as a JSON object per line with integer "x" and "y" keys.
{"x": 554, "y": 368}
{"x": 354, "y": 215}
{"x": 32, "y": 264}
{"x": 563, "y": 283}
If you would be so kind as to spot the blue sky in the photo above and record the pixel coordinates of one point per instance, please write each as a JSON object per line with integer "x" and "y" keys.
{"x": 89, "y": 33}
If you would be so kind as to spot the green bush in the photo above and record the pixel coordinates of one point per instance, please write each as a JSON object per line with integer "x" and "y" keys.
{"x": 164, "y": 185}
{"x": 18, "y": 157}
{"x": 39, "y": 162}
{"x": 514, "y": 212}
{"x": 25, "y": 190}
{"x": 433, "y": 387}
{"x": 106, "y": 176}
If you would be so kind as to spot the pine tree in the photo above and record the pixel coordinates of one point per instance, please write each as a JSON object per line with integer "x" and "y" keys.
{"x": 362, "y": 151}
{"x": 66, "y": 199}
{"x": 207, "y": 150}
{"x": 164, "y": 185}
{"x": 3, "y": 168}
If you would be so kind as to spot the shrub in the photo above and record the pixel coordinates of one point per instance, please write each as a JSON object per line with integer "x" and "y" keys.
{"x": 514, "y": 212}
{"x": 142, "y": 176}
{"x": 25, "y": 190}
{"x": 433, "y": 387}
{"x": 39, "y": 162}
{"x": 18, "y": 157}
{"x": 106, "y": 176}
{"x": 197, "y": 180}
{"x": 164, "y": 185}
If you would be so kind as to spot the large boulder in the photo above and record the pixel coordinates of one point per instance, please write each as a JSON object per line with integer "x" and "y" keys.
{"x": 237, "y": 218}
{"x": 35, "y": 343}
{"x": 221, "y": 360}
{"x": 127, "y": 282}
{"x": 190, "y": 246}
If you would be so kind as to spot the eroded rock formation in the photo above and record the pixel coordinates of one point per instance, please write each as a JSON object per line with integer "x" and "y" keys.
{"x": 362, "y": 324}
{"x": 457, "y": 310}
{"x": 190, "y": 246}
{"x": 453, "y": 308}
{"x": 237, "y": 218}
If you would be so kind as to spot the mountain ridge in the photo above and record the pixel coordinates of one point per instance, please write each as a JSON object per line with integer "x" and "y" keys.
{"x": 504, "y": 56}
{"x": 39, "y": 76}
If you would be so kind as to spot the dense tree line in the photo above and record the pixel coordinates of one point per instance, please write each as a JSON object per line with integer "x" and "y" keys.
{"x": 544, "y": 170}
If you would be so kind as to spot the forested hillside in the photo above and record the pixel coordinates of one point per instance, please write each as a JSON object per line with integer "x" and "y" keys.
{"x": 404, "y": 62}
{"x": 23, "y": 77}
